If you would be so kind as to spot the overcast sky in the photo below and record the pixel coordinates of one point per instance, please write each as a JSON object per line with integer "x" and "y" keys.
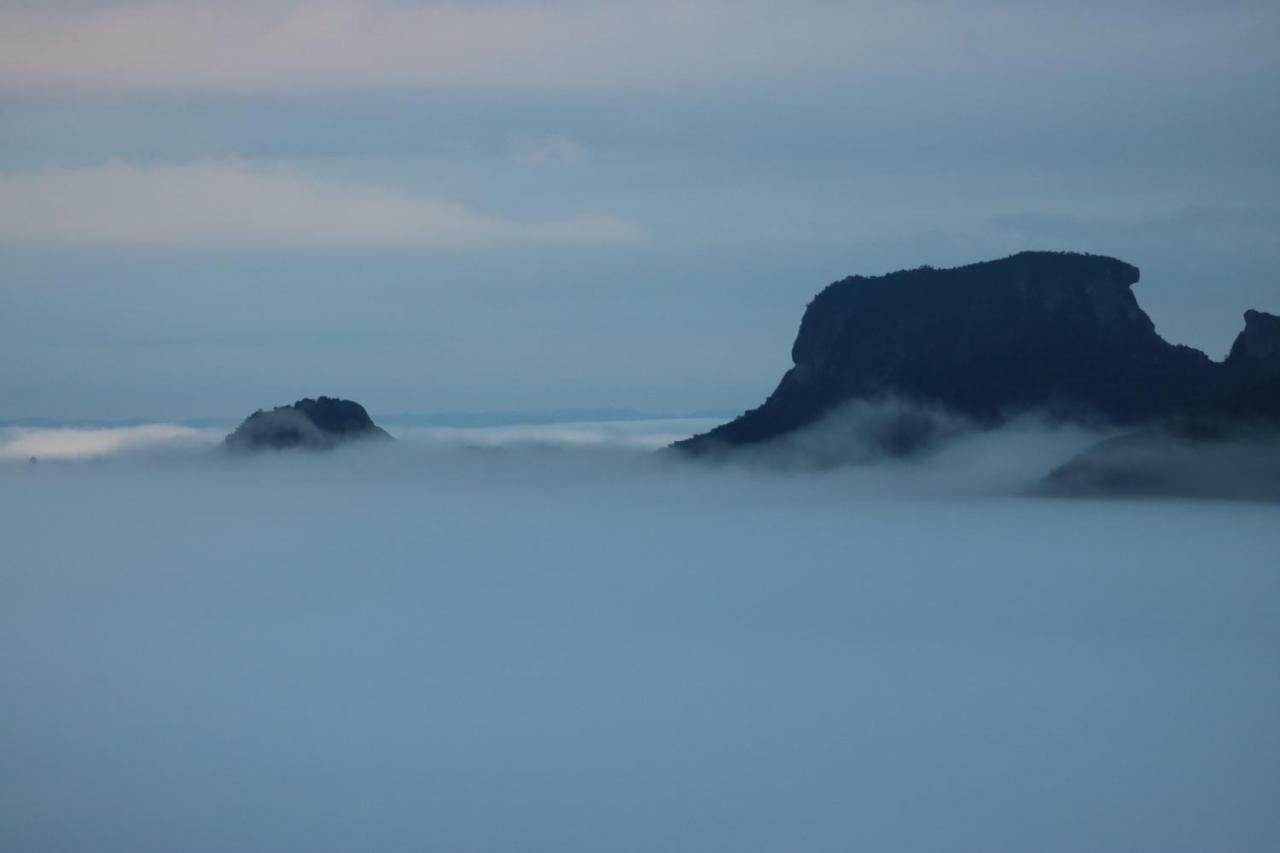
{"x": 210, "y": 207}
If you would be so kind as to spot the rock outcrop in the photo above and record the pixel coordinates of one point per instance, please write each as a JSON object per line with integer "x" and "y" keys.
{"x": 1252, "y": 370}
{"x": 313, "y": 424}
{"x": 1060, "y": 333}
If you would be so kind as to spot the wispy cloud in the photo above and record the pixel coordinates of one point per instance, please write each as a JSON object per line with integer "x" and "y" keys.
{"x": 72, "y": 443}
{"x": 665, "y": 45}
{"x": 541, "y": 150}
{"x": 229, "y": 205}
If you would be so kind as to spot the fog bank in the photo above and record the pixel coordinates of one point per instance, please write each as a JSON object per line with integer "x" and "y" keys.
{"x": 537, "y": 645}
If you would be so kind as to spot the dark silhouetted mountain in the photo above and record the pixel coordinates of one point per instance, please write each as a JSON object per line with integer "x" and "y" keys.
{"x": 1059, "y": 333}
{"x": 1253, "y": 369}
{"x": 317, "y": 424}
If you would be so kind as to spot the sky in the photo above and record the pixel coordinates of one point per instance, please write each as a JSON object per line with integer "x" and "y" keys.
{"x": 206, "y": 208}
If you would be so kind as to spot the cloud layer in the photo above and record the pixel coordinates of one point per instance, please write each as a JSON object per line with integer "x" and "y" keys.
{"x": 544, "y": 46}
{"x": 228, "y": 205}
{"x": 21, "y": 443}
{"x": 584, "y": 650}
{"x": 65, "y": 443}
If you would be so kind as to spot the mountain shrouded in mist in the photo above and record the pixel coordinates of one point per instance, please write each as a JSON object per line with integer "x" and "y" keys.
{"x": 317, "y": 424}
{"x": 1048, "y": 331}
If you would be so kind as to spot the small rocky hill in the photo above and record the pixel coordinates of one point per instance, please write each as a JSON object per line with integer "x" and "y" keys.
{"x": 313, "y": 424}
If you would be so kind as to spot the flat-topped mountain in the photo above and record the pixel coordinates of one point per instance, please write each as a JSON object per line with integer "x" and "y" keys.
{"x": 315, "y": 424}
{"x": 1050, "y": 331}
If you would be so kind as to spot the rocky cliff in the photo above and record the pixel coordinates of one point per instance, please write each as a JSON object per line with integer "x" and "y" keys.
{"x": 314, "y": 424}
{"x": 1056, "y": 332}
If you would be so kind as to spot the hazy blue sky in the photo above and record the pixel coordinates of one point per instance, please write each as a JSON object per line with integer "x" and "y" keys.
{"x": 206, "y": 208}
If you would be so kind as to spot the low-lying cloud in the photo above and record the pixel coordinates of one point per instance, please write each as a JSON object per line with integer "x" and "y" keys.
{"x": 421, "y": 645}
{"x": 173, "y": 440}
{"x": 885, "y": 447}
{"x": 897, "y": 447}
{"x": 1153, "y": 462}
{"x": 231, "y": 205}
{"x": 26, "y": 443}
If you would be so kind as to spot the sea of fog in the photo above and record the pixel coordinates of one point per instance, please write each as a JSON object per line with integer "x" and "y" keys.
{"x": 550, "y": 638}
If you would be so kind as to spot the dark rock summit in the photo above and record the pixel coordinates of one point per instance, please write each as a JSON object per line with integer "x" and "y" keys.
{"x": 1258, "y": 346}
{"x": 317, "y": 424}
{"x": 1253, "y": 369}
{"x": 1055, "y": 332}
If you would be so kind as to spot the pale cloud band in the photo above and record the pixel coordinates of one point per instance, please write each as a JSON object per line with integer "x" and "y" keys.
{"x": 229, "y": 205}
{"x": 664, "y": 45}
{"x": 21, "y": 443}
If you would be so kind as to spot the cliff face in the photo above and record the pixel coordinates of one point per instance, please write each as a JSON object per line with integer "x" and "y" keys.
{"x": 1257, "y": 348}
{"x": 1039, "y": 330}
{"x": 315, "y": 424}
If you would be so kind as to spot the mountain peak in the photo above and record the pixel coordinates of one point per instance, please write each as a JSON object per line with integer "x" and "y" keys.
{"x": 315, "y": 424}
